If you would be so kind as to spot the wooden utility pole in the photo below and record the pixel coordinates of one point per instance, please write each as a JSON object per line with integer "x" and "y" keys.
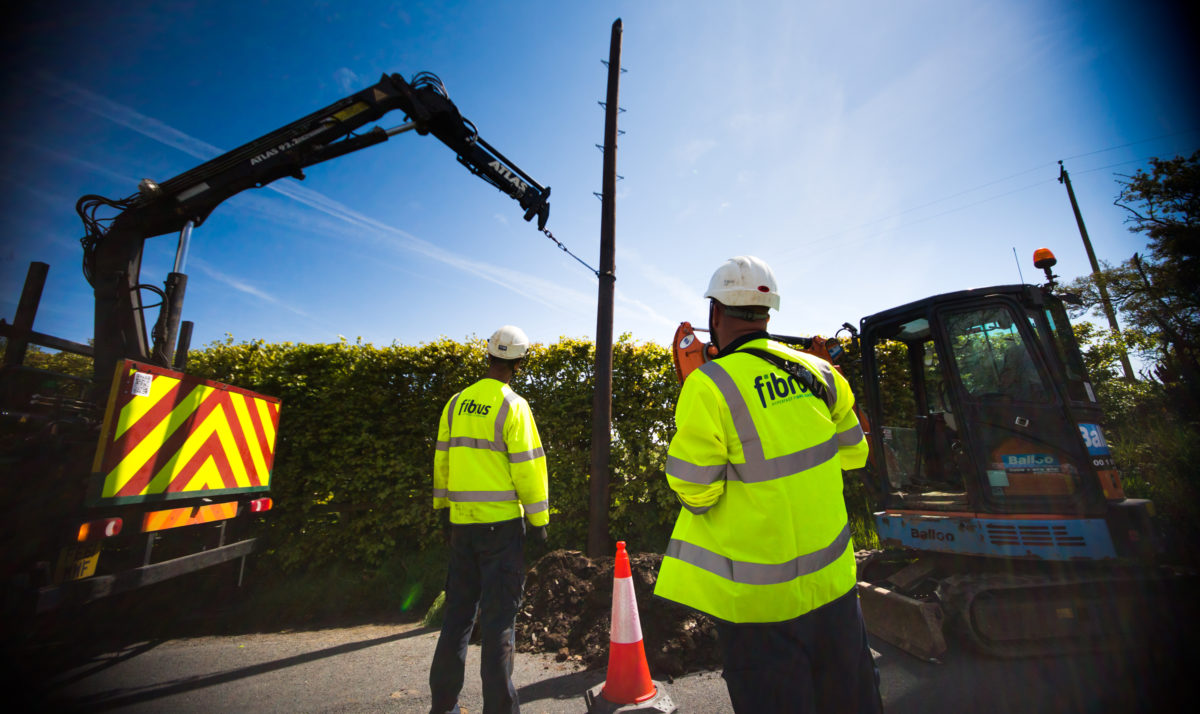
{"x": 598, "y": 535}
{"x": 1065, "y": 179}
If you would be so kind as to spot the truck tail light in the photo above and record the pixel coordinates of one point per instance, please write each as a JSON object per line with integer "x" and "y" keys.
{"x": 261, "y": 505}
{"x": 98, "y": 529}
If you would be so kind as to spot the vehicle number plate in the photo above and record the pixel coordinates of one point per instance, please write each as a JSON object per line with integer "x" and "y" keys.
{"x": 76, "y": 562}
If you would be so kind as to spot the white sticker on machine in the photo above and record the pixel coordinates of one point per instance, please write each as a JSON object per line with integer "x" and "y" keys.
{"x": 141, "y": 384}
{"x": 997, "y": 477}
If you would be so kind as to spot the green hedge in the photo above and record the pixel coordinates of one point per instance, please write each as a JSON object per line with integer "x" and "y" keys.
{"x": 354, "y": 456}
{"x": 353, "y": 461}
{"x": 352, "y": 479}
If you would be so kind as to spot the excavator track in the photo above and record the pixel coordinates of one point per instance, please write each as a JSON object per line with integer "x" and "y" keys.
{"x": 1014, "y": 610}
{"x": 1010, "y": 615}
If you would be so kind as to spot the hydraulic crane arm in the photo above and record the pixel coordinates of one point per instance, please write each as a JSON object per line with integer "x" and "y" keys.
{"x": 113, "y": 243}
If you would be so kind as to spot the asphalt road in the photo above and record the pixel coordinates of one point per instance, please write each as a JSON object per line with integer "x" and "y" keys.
{"x": 383, "y": 668}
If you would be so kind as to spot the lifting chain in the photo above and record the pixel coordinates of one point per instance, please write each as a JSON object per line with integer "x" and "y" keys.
{"x": 568, "y": 252}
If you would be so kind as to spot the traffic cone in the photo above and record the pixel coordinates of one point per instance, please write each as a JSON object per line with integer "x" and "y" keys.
{"x": 627, "y": 685}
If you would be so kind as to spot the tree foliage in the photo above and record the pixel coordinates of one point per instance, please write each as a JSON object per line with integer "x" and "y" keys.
{"x": 1154, "y": 425}
{"x": 1165, "y": 205}
{"x": 1156, "y": 294}
{"x": 60, "y": 362}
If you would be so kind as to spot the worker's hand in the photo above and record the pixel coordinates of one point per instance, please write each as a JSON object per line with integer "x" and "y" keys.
{"x": 539, "y": 533}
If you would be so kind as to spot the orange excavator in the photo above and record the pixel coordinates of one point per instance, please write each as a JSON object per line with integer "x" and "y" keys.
{"x": 997, "y": 502}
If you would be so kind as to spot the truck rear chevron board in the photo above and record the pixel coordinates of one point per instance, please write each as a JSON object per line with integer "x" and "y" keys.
{"x": 168, "y": 436}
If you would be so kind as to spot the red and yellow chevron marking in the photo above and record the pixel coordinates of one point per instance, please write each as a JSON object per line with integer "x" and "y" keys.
{"x": 168, "y": 435}
{"x": 188, "y": 516}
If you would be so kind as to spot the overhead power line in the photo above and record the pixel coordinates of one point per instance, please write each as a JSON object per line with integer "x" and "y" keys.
{"x": 1132, "y": 143}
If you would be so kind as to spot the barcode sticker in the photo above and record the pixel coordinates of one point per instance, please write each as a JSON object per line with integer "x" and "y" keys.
{"x": 141, "y": 384}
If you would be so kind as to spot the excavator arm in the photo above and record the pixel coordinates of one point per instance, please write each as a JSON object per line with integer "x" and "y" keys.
{"x": 113, "y": 241}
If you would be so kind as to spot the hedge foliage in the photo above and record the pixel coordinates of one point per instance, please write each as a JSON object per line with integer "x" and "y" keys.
{"x": 352, "y": 475}
{"x": 354, "y": 455}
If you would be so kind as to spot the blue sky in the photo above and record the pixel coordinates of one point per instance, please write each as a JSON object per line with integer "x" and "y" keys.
{"x": 873, "y": 153}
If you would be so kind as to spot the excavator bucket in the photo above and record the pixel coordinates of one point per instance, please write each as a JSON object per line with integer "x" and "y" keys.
{"x": 912, "y": 625}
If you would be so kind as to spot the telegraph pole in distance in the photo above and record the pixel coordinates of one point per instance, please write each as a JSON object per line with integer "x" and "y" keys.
{"x": 598, "y": 535}
{"x": 1065, "y": 179}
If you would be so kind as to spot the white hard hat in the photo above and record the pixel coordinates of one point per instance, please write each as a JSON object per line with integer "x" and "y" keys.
{"x": 509, "y": 342}
{"x": 742, "y": 282}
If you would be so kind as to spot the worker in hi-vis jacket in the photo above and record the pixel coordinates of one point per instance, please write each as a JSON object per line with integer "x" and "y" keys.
{"x": 489, "y": 476}
{"x": 762, "y": 543}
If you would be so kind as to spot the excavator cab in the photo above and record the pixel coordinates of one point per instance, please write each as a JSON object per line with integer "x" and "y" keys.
{"x": 1000, "y": 506}
{"x": 986, "y": 419}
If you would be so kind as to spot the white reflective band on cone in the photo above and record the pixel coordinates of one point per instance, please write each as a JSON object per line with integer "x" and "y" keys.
{"x": 626, "y": 627}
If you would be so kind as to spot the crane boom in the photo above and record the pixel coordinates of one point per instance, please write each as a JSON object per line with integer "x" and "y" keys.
{"x": 113, "y": 243}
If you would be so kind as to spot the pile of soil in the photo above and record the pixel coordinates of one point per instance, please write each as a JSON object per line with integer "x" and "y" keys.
{"x": 568, "y": 608}
{"x": 568, "y": 611}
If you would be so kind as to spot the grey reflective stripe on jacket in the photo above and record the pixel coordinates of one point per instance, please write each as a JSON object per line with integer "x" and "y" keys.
{"x": 536, "y": 507}
{"x": 826, "y": 370}
{"x": 760, "y": 573}
{"x": 530, "y": 455}
{"x": 851, "y": 436}
{"x": 445, "y": 445}
{"x": 495, "y": 444}
{"x": 482, "y": 496}
{"x": 758, "y": 468}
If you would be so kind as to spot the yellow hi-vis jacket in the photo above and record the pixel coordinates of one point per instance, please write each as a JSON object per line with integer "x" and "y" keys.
{"x": 489, "y": 465}
{"x": 757, "y": 462}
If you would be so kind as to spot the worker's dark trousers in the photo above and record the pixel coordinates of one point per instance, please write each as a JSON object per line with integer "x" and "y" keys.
{"x": 487, "y": 575}
{"x": 819, "y": 662}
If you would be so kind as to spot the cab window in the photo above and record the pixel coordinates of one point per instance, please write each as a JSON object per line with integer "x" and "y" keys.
{"x": 1065, "y": 344}
{"x": 992, "y": 357}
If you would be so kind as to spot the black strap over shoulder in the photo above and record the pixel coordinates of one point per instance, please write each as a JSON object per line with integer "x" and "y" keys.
{"x": 807, "y": 379}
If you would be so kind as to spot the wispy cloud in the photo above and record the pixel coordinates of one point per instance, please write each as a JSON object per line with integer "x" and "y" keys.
{"x": 691, "y": 152}
{"x": 670, "y": 292}
{"x": 73, "y": 160}
{"x": 124, "y": 116}
{"x": 348, "y": 80}
{"x": 535, "y": 288}
{"x": 669, "y": 286}
{"x": 245, "y": 287}
{"x": 635, "y": 310}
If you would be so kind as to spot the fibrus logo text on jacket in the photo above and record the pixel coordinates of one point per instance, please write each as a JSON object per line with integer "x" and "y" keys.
{"x": 777, "y": 387}
{"x": 470, "y": 407}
